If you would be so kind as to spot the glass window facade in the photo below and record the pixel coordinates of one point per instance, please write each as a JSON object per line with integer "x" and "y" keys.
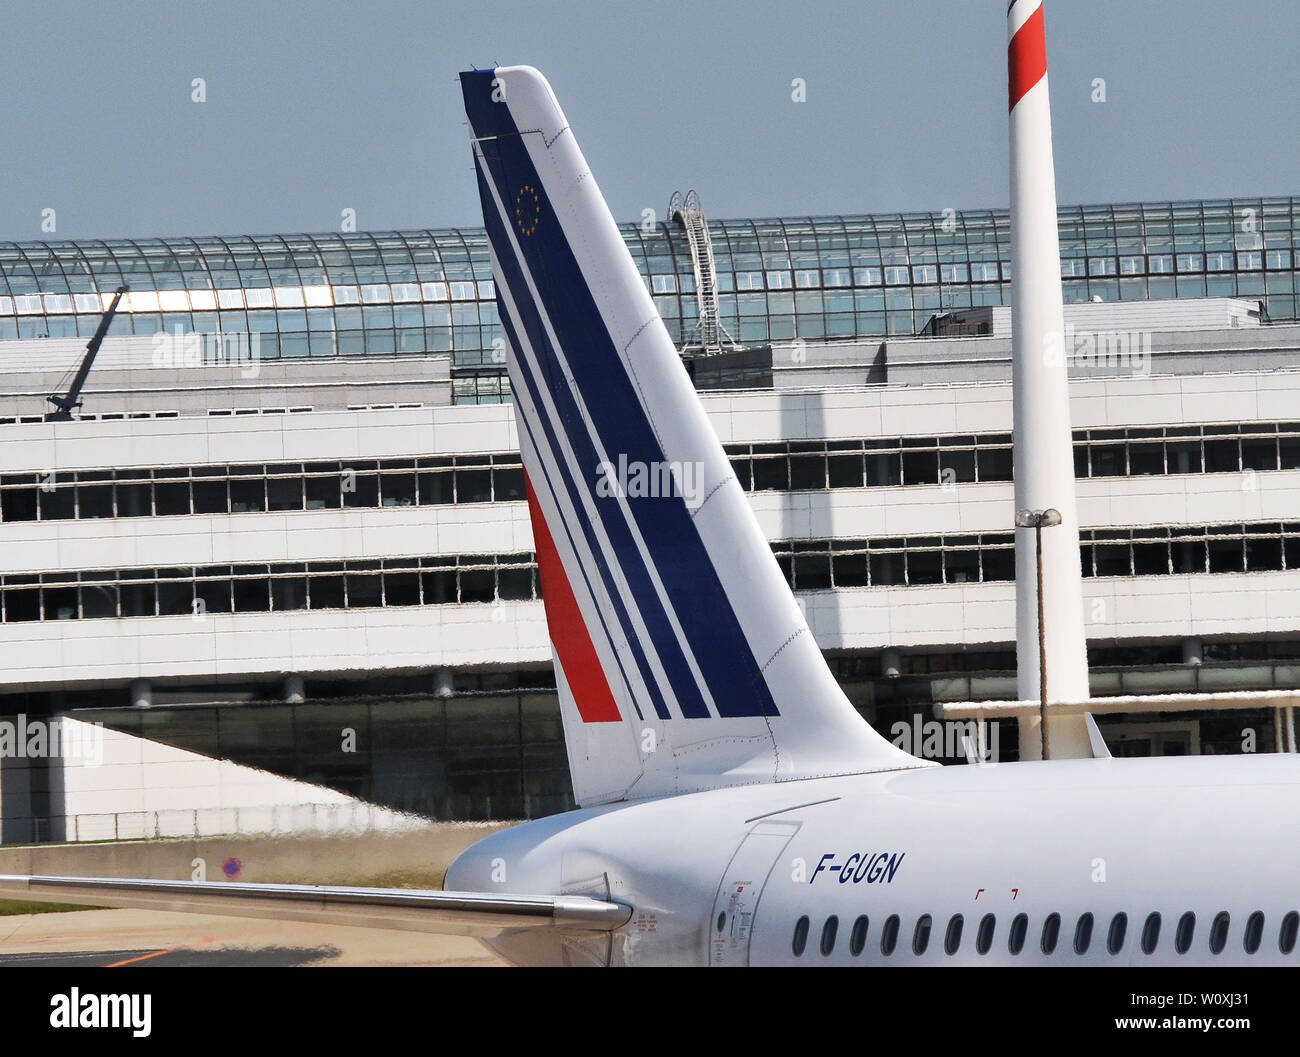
{"x": 390, "y": 293}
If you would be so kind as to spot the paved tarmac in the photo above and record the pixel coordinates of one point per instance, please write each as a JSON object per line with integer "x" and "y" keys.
{"x": 148, "y": 938}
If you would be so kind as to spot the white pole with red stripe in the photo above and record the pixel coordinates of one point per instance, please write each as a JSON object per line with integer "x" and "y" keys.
{"x": 1042, "y": 453}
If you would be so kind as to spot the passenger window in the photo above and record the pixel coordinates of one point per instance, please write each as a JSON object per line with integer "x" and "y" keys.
{"x": 1016, "y": 938}
{"x": 1186, "y": 930}
{"x": 1118, "y": 929}
{"x": 828, "y": 935}
{"x": 800, "y": 936}
{"x": 1254, "y": 931}
{"x": 952, "y": 938}
{"x": 889, "y": 935}
{"x": 1051, "y": 930}
{"x": 984, "y": 937}
{"x": 921, "y": 937}
{"x": 1083, "y": 934}
{"x": 858, "y": 937}
{"x": 1219, "y": 932}
{"x": 1151, "y": 933}
{"x": 1286, "y": 938}
{"x": 722, "y": 920}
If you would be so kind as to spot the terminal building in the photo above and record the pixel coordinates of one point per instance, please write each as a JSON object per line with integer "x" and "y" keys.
{"x": 282, "y": 551}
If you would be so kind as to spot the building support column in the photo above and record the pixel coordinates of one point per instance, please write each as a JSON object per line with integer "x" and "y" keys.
{"x": 141, "y": 693}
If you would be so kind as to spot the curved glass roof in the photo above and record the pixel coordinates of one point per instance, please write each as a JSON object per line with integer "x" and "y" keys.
{"x": 411, "y": 292}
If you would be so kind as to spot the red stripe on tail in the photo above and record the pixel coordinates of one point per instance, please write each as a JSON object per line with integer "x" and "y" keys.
{"x": 573, "y": 648}
{"x": 1026, "y": 58}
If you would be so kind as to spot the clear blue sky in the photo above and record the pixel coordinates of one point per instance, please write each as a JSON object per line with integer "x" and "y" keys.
{"x": 313, "y": 107}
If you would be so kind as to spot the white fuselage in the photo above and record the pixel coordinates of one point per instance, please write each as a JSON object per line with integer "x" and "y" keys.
{"x": 724, "y": 876}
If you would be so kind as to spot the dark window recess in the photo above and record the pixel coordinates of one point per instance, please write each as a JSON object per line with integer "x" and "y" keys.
{"x": 399, "y": 489}
{"x": 477, "y": 585}
{"x": 1150, "y": 559}
{"x": 508, "y": 484}
{"x": 437, "y": 488}
{"x": 994, "y": 464}
{"x": 956, "y": 467}
{"x": 215, "y": 596}
{"x": 289, "y": 592}
{"x": 325, "y": 592}
{"x": 800, "y": 940}
{"x": 741, "y": 468}
{"x": 984, "y": 935}
{"x": 807, "y": 471}
{"x": 920, "y": 467}
{"x": 1107, "y": 460}
{"x": 1183, "y": 456}
{"x": 887, "y": 570}
{"x": 323, "y": 493}
{"x": 1221, "y": 456}
{"x": 1111, "y": 559}
{"x": 210, "y": 497}
{"x": 365, "y": 590}
{"x": 1259, "y": 454}
{"x": 60, "y": 603}
{"x": 771, "y": 475}
{"x": 473, "y": 486}
{"x": 1116, "y": 933}
{"x": 139, "y": 600}
{"x": 828, "y": 935}
{"x": 1083, "y": 934}
{"x": 1227, "y": 556}
{"x": 22, "y": 604}
{"x": 95, "y": 501}
{"x": 359, "y": 489}
{"x": 999, "y": 564}
{"x": 952, "y": 935}
{"x": 247, "y": 494}
{"x": 921, "y": 934}
{"x": 812, "y": 572}
{"x": 850, "y": 570}
{"x": 99, "y": 600}
{"x": 1145, "y": 460}
{"x": 1286, "y": 936}
{"x": 1187, "y": 556}
{"x": 844, "y": 471}
{"x": 171, "y": 498}
{"x": 134, "y": 500}
{"x": 18, "y": 504}
{"x": 889, "y": 935}
{"x": 1185, "y": 933}
{"x": 252, "y": 596}
{"x": 58, "y": 504}
{"x": 402, "y": 589}
{"x": 858, "y": 937}
{"x": 175, "y": 598}
{"x": 884, "y": 468}
{"x": 1151, "y": 933}
{"x": 1016, "y": 937}
{"x": 515, "y": 584}
{"x": 1219, "y": 932}
{"x": 439, "y": 586}
{"x": 1263, "y": 555}
{"x": 1254, "y": 932}
{"x": 925, "y": 567}
{"x": 284, "y": 493}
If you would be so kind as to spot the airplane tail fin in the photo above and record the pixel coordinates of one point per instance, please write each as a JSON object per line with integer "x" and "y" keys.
{"x": 682, "y": 659}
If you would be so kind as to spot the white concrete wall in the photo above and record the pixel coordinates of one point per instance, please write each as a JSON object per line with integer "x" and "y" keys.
{"x": 50, "y": 653}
